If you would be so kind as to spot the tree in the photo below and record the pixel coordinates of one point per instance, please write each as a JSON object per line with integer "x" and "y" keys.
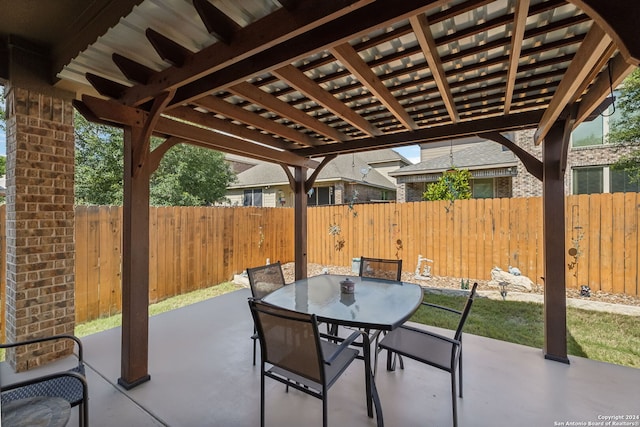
{"x": 186, "y": 176}
{"x": 191, "y": 176}
{"x": 452, "y": 185}
{"x": 99, "y": 163}
{"x": 625, "y": 130}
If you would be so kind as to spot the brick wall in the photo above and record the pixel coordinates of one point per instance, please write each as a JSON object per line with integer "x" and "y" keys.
{"x": 525, "y": 184}
{"x": 40, "y": 224}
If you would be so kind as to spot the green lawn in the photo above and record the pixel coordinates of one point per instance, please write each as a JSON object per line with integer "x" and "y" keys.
{"x": 595, "y": 335}
{"x": 172, "y": 303}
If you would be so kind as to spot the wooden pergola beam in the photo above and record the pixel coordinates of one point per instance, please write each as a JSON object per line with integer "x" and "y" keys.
{"x": 499, "y": 123}
{"x": 420, "y": 26}
{"x": 209, "y": 120}
{"x": 119, "y": 115}
{"x": 212, "y": 103}
{"x": 329, "y": 33}
{"x": 346, "y": 54}
{"x": 298, "y": 80}
{"x": 218, "y": 24}
{"x": 258, "y": 96}
{"x": 601, "y": 88}
{"x": 517, "y": 36}
{"x": 275, "y": 28}
{"x": 594, "y": 45}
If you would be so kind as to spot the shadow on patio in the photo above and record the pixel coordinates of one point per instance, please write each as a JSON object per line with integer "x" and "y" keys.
{"x": 202, "y": 375}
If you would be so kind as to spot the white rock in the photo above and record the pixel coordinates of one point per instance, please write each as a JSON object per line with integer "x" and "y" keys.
{"x": 514, "y": 283}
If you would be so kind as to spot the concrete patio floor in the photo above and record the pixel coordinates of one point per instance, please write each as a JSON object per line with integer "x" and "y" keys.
{"x": 202, "y": 375}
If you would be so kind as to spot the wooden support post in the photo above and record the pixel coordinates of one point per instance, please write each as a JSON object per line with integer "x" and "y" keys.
{"x": 135, "y": 264}
{"x": 300, "y": 213}
{"x": 553, "y": 199}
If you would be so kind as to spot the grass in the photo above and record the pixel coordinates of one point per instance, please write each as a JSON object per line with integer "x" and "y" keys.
{"x": 608, "y": 337}
{"x": 172, "y": 303}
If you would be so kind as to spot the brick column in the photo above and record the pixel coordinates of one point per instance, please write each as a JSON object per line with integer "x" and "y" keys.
{"x": 40, "y": 224}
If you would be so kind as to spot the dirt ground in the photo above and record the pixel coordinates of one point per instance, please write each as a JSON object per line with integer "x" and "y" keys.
{"x": 454, "y": 283}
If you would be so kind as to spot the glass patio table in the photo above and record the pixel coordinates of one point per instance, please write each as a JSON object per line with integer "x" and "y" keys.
{"x": 374, "y": 305}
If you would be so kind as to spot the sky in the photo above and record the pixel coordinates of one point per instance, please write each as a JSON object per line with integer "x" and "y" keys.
{"x": 412, "y": 153}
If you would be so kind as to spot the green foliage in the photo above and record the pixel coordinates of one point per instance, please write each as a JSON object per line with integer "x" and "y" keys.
{"x": 191, "y": 176}
{"x": 626, "y": 129}
{"x": 186, "y": 176}
{"x": 99, "y": 163}
{"x": 3, "y": 165}
{"x": 452, "y": 185}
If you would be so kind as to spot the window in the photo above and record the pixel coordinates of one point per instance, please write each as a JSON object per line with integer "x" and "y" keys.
{"x": 588, "y": 180}
{"x": 252, "y": 197}
{"x": 621, "y": 182}
{"x": 594, "y": 132}
{"x": 589, "y": 133}
{"x": 321, "y": 196}
{"x": 482, "y": 188}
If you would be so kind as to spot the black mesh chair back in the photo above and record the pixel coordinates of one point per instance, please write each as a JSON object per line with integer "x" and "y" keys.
{"x": 378, "y": 268}
{"x": 432, "y": 348}
{"x": 290, "y": 341}
{"x": 265, "y": 279}
{"x": 291, "y": 344}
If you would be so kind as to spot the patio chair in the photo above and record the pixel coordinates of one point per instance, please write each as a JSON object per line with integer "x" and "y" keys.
{"x": 299, "y": 358}
{"x": 432, "y": 348}
{"x": 378, "y": 268}
{"x": 263, "y": 280}
{"x": 70, "y": 385}
{"x": 387, "y": 269}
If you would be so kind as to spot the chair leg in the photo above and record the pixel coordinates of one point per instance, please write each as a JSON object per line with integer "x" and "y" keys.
{"x": 262, "y": 397}
{"x": 454, "y": 398}
{"x": 324, "y": 409}
{"x": 460, "y": 370}
{"x": 254, "y": 346}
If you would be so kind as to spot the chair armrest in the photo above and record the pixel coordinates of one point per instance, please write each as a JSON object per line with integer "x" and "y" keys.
{"x": 432, "y": 334}
{"x": 346, "y": 342}
{"x": 48, "y": 377}
{"x": 44, "y": 339}
{"x": 441, "y": 307}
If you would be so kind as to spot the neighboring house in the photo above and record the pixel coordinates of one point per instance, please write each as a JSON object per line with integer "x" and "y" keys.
{"x": 491, "y": 165}
{"x": 497, "y": 172}
{"x": 349, "y": 178}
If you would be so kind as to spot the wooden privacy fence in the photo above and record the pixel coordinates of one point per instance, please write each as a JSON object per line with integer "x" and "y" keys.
{"x": 196, "y": 247}
{"x": 467, "y": 238}
{"x": 189, "y": 248}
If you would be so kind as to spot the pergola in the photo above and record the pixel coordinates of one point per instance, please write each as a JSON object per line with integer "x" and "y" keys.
{"x": 297, "y": 82}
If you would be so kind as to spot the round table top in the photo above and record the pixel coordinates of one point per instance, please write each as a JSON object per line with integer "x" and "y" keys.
{"x": 36, "y": 412}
